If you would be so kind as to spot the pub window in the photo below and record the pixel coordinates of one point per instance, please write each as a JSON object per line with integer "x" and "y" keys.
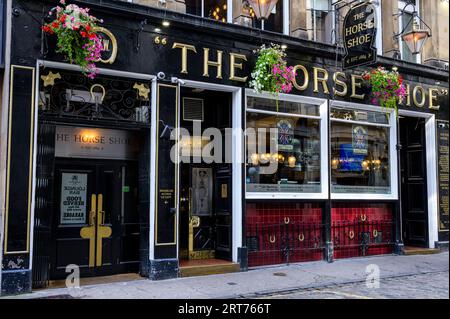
{"x": 212, "y": 9}
{"x": 283, "y": 146}
{"x": 361, "y": 151}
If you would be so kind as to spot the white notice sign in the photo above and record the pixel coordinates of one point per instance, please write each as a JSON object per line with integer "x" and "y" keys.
{"x": 73, "y": 198}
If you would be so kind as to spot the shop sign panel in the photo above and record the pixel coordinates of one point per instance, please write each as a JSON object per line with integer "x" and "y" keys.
{"x": 80, "y": 142}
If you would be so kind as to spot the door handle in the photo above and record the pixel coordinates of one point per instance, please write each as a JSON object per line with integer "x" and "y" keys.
{"x": 89, "y": 232}
{"x": 102, "y": 230}
{"x": 93, "y": 212}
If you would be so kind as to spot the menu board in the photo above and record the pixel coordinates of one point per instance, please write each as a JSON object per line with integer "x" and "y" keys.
{"x": 73, "y": 198}
{"x": 443, "y": 172}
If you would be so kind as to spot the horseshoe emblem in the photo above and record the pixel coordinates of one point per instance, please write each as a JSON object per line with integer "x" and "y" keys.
{"x": 286, "y": 220}
{"x": 351, "y": 234}
{"x": 272, "y": 239}
{"x": 375, "y": 233}
{"x": 363, "y": 217}
{"x": 301, "y": 237}
{"x": 103, "y": 91}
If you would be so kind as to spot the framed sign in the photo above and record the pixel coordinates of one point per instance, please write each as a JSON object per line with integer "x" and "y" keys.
{"x": 359, "y": 140}
{"x": 285, "y": 135}
{"x": 73, "y": 198}
{"x": 443, "y": 173}
{"x": 359, "y": 36}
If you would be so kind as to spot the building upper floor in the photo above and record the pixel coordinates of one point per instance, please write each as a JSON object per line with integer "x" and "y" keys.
{"x": 322, "y": 21}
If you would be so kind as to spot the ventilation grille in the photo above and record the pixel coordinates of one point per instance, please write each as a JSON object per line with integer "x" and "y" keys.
{"x": 192, "y": 109}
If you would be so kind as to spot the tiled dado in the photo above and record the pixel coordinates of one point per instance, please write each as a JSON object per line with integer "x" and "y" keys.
{"x": 344, "y": 213}
{"x": 268, "y": 225}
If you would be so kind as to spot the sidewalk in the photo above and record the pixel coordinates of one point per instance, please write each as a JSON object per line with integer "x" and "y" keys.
{"x": 258, "y": 281}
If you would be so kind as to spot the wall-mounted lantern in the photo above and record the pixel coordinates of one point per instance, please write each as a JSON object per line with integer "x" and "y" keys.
{"x": 416, "y": 32}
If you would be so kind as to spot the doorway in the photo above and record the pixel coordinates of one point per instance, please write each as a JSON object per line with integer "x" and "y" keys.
{"x": 413, "y": 163}
{"x": 96, "y": 224}
{"x": 205, "y": 208}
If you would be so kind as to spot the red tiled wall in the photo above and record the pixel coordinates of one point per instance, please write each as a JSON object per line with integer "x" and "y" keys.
{"x": 267, "y": 219}
{"x": 343, "y": 213}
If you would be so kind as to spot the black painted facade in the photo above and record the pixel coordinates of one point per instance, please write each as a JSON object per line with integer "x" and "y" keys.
{"x": 133, "y": 26}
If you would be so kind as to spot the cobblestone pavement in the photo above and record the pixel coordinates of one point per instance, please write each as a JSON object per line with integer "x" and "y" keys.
{"x": 422, "y": 286}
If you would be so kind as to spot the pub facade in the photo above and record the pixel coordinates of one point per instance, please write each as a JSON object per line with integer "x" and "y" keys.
{"x": 96, "y": 175}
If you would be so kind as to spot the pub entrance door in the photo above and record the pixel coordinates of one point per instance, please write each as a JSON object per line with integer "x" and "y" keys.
{"x": 96, "y": 224}
{"x": 205, "y": 206}
{"x": 414, "y": 181}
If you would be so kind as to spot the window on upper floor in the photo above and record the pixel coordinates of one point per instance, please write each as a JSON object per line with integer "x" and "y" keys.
{"x": 212, "y": 9}
{"x": 321, "y": 21}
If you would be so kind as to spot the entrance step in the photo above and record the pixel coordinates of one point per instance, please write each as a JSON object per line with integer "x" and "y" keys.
{"x": 190, "y": 268}
{"x": 88, "y": 281}
{"x": 409, "y": 250}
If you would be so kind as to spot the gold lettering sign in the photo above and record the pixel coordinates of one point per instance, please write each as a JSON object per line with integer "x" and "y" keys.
{"x": 304, "y": 86}
{"x": 109, "y": 44}
{"x": 234, "y": 66}
{"x": 207, "y": 63}
{"x": 418, "y": 103}
{"x": 408, "y": 94}
{"x": 432, "y": 97}
{"x": 322, "y": 79}
{"x": 356, "y": 83}
{"x": 184, "y": 52}
{"x": 339, "y": 83}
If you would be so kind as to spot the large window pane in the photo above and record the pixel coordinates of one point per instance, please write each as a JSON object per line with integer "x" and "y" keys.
{"x": 359, "y": 158}
{"x": 296, "y": 157}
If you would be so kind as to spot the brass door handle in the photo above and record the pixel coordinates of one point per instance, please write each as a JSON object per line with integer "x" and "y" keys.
{"x": 89, "y": 232}
{"x": 93, "y": 212}
{"x": 190, "y": 204}
{"x": 102, "y": 231}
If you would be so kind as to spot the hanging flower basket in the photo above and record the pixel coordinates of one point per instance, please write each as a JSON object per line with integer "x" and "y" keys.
{"x": 75, "y": 29}
{"x": 386, "y": 86}
{"x": 271, "y": 73}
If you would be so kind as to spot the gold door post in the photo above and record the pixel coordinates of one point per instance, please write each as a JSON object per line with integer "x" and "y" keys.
{"x": 88, "y": 232}
{"x": 102, "y": 231}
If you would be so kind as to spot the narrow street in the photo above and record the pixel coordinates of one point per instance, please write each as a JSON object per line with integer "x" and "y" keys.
{"x": 416, "y": 276}
{"x": 434, "y": 285}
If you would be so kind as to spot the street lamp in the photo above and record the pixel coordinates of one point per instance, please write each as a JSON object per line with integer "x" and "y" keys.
{"x": 416, "y": 37}
{"x": 262, "y": 8}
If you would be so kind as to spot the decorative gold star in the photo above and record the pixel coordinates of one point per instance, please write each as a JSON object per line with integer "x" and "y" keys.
{"x": 50, "y": 78}
{"x": 143, "y": 90}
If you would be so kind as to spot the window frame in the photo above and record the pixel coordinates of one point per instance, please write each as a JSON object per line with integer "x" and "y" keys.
{"x": 393, "y": 195}
{"x": 323, "y": 114}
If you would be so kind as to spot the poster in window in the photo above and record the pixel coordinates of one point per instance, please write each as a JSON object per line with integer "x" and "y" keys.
{"x": 285, "y": 134}
{"x": 359, "y": 140}
{"x": 202, "y": 191}
{"x": 73, "y": 198}
{"x": 349, "y": 161}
